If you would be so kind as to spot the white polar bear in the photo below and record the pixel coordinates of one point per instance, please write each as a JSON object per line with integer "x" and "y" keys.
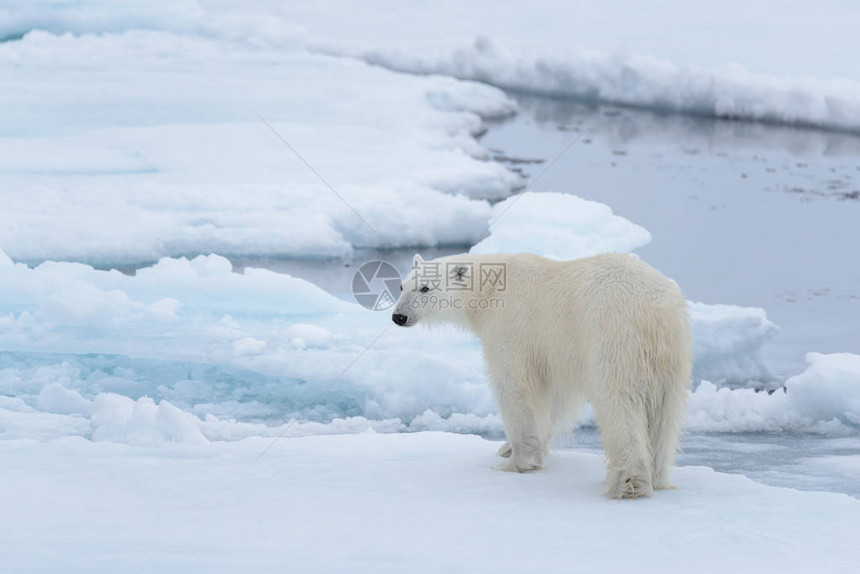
{"x": 609, "y": 329}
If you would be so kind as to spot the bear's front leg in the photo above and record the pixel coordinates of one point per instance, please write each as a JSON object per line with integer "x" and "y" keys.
{"x": 525, "y": 447}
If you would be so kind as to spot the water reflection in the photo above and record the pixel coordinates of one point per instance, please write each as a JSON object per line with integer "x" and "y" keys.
{"x": 696, "y": 133}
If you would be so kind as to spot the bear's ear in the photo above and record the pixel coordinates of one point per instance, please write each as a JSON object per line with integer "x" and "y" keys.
{"x": 417, "y": 260}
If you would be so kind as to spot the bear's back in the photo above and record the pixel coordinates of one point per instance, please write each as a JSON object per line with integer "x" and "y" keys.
{"x": 602, "y": 284}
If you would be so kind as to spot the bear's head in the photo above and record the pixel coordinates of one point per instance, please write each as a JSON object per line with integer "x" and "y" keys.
{"x": 439, "y": 291}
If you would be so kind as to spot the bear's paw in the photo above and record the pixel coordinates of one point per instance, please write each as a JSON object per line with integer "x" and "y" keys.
{"x": 626, "y": 485}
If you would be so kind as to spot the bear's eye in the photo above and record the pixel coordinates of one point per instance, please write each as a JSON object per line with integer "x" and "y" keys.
{"x": 424, "y": 289}
{"x": 401, "y": 287}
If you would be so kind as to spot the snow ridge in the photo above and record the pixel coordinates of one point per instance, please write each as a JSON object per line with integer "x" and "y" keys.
{"x": 730, "y": 92}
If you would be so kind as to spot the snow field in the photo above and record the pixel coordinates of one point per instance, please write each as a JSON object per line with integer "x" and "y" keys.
{"x": 425, "y": 502}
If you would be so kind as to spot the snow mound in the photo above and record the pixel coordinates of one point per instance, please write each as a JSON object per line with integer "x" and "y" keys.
{"x": 729, "y": 92}
{"x": 142, "y": 422}
{"x": 558, "y": 226}
{"x": 824, "y": 398}
{"x": 829, "y": 389}
{"x": 55, "y": 398}
{"x": 728, "y": 343}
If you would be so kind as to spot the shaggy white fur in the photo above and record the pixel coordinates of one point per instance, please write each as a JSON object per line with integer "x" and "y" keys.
{"x": 608, "y": 329}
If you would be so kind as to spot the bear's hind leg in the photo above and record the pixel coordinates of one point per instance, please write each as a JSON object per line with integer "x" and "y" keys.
{"x": 664, "y": 426}
{"x": 624, "y": 431}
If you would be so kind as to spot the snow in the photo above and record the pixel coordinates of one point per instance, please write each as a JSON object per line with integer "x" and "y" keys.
{"x": 57, "y": 399}
{"x": 425, "y": 502}
{"x": 829, "y": 388}
{"x": 728, "y": 342}
{"x": 142, "y": 145}
{"x": 824, "y": 398}
{"x": 257, "y": 345}
{"x": 558, "y": 226}
{"x": 730, "y": 92}
{"x": 732, "y": 31}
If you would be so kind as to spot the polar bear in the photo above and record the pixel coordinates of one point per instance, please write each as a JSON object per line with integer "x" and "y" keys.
{"x": 608, "y": 329}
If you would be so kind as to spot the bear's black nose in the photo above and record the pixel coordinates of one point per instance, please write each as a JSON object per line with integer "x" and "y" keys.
{"x": 399, "y": 319}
